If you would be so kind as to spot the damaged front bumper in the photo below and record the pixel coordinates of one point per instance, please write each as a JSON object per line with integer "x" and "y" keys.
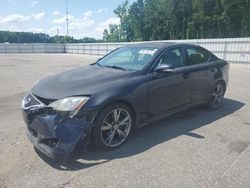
{"x": 55, "y": 135}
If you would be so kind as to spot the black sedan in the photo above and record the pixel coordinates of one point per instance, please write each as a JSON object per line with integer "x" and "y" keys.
{"x": 132, "y": 86}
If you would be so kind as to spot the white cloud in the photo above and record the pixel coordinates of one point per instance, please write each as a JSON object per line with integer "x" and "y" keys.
{"x": 101, "y": 10}
{"x": 80, "y": 24}
{"x": 55, "y": 13}
{"x": 14, "y": 18}
{"x": 33, "y": 3}
{"x": 75, "y": 23}
{"x": 88, "y": 13}
{"x": 105, "y": 25}
{"x": 39, "y": 15}
{"x": 59, "y": 20}
{"x": 62, "y": 20}
{"x": 35, "y": 30}
{"x": 113, "y": 20}
{"x": 53, "y": 31}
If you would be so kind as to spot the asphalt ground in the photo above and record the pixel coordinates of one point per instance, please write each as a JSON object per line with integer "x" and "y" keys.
{"x": 196, "y": 148}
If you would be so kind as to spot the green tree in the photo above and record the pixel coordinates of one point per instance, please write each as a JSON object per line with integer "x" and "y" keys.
{"x": 125, "y": 30}
{"x": 105, "y": 35}
{"x": 137, "y": 24}
{"x": 182, "y": 19}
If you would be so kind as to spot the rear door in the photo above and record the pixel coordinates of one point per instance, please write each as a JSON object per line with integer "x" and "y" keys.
{"x": 202, "y": 73}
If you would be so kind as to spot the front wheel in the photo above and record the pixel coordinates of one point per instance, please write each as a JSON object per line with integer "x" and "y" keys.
{"x": 114, "y": 125}
{"x": 217, "y": 96}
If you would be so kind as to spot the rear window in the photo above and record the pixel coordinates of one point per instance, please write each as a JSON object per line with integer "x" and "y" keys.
{"x": 197, "y": 55}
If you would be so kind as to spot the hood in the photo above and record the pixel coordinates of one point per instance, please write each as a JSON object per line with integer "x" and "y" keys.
{"x": 86, "y": 80}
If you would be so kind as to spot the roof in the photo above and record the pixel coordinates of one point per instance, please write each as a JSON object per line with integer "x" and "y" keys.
{"x": 152, "y": 44}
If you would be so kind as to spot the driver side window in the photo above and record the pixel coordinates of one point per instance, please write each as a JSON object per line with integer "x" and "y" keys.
{"x": 172, "y": 57}
{"x": 121, "y": 57}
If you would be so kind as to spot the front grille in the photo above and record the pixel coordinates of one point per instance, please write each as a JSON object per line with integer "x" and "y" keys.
{"x": 45, "y": 101}
{"x": 30, "y": 101}
{"x": 51, "y": 142}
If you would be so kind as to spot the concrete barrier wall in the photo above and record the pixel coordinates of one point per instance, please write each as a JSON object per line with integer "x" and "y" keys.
{"x": 235, "y": 50}
{"x": 32, "y": 48}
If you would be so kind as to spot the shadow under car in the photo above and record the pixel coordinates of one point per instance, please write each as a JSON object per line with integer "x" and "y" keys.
{"x": 149, "y": 136}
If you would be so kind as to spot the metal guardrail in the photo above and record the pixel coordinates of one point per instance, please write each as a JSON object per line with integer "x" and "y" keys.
{"x": 235, "y": 50}
{"x": 32, "y": 48}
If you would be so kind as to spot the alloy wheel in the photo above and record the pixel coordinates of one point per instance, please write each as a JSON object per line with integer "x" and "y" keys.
{"x": 217, "y": 95}
{"x": 116, "y": 127}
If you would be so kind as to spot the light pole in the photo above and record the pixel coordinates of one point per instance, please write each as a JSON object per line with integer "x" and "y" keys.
{"x": 67, "y": 17}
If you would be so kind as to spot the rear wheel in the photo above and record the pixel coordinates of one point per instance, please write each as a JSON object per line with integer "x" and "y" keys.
{"x": 114, "y": 125}
{"x": 217, "y": 96}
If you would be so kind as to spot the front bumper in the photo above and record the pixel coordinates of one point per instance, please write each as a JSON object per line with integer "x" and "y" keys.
{"x": 54, "y": 135}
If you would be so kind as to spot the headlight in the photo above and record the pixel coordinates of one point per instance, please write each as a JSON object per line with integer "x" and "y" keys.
{"x": 69, "y": 104}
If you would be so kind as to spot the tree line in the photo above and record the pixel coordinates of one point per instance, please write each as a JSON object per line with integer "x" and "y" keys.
{"x": 29, "y": 37}
{"x": 146, "y": 20}
{"x": 180, "y": 19}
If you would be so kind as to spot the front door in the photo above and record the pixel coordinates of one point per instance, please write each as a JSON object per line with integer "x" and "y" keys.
{"x": 168, "y": 91}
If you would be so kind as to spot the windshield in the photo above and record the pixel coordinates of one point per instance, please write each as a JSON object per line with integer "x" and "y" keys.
{"x": 128, "y": 58}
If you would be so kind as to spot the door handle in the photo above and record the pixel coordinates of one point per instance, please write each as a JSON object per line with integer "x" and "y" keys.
{"x": 186, "y": 76}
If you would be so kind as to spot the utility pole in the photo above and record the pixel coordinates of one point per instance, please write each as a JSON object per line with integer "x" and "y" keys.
{"x": 67, "y": 17}
{"x": 57, "y": 33}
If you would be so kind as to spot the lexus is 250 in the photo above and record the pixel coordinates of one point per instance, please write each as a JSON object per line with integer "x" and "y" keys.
{"x": 102, "y": 103}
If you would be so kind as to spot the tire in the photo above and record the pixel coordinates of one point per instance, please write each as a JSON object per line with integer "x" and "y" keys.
{"x": 217, "y": 96}
{"x": 114, "y": 125}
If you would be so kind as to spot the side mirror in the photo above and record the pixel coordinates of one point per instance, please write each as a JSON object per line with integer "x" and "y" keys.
{"x": 165, "y": 68}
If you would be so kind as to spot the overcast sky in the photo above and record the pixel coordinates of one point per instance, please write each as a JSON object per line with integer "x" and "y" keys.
{"x": 86, "y": 17}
